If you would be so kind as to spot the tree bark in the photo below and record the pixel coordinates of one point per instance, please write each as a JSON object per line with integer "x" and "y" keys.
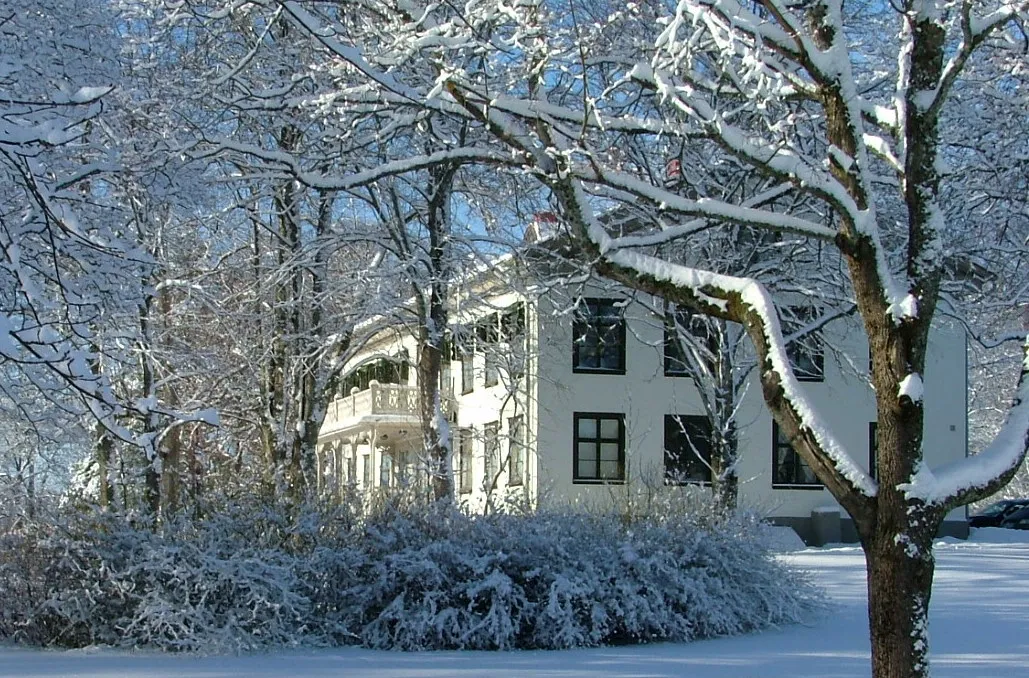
{"x": 724, "y": 476}
{"x": 900, "y": 576}
{"x": 171, "y": 444}
{"x": 102, "y": 450}
{"x": 725, "y": 454}
{"x": 437, "y": 444}
{"x": 434, "y": 321}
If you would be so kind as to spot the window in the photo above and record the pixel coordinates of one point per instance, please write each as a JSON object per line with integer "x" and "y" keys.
{"x": 516, "y": 450}
{"x": 452, "y": 342}
{"x": 464, "y": 350}
{"x": 467, "y": 373}
{"x": 687, "y": 449}
{"x": 806, "y": 353}
{"x": 402, "y": 367}
{"x": 682, "y": 327}
{"x": 385, "y": 470}
{"x": 598, "y": 337}
{"x": 512, "y": 333}
{"x": 490, "y": 453}
{"x": 599, "y": 447}
{"x": 512, "y": 324}
{"x": 788, "y": 469}
{"x": 366, "y": 471}
{"x": 383, "y": 370}
{"x": 352, "y": 469}
{"x": 873, "y": 446}
{"x": 464, "y": 461}
{"x": 488, "y": 334}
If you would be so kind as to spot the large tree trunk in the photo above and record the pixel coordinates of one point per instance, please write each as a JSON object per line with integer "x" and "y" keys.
{"x": 900, "y": 576}
{"x": 725, "y": 455}
{"x": 151, "y": 451}
{"x": 434, "y": 320}
{"x": 435, "y": 428}
{"x": 102, "y": 448}
{"x": 284, "y": 469}
{"x": 171, "y": 444}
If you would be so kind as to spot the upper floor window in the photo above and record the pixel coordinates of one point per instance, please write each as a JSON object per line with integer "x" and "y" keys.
{"x": 512, "y": 323}
{"x": 789, "y": 470}
{"x": 599, "y": 447}
{"x": 686, "y": 331}
{"x": 487, "y": 332}
{"x": 687, "y": 449}
{"x": 807, "y": 352}
{"x": 383, "y": 370}
{"x": 598, "y": 337}
{"x": 512, "y": 333}
{"x": 462, "y": 345}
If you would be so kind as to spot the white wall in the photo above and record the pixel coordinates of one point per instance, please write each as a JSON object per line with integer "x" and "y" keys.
{"x": 645, "y": 396}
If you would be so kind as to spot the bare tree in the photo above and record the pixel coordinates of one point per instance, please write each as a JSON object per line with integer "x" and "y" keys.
{"x": 66, "y": 265}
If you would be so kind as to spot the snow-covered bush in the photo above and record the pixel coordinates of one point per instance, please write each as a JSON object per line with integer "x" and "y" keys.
{"x": 105, "y": 581}
{"x": 555, "y": 580}
{"x": 415, "y": 579}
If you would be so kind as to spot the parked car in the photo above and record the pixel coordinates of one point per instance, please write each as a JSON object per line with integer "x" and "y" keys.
{"x": 996, "y": 514}
{"x": 1017, "y": 520}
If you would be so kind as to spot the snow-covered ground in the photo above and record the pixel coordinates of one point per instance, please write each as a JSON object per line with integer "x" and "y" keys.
{"x": 980, "y": 628}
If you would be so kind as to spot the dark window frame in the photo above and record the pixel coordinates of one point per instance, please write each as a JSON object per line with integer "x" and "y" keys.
{"x": 678, "y": 434}
{"x": 512, "y": 323}
{"x": 595, "y": 479}
{"x": 807, "y": 349}
{"x": 463, "y": 350}
{"x": 779, "y": 443}
{"x": 674, "y": 350}
{"x": 487, "y": 335}
{"x": 513, "y": 332}
{"x": 591, "y": 330}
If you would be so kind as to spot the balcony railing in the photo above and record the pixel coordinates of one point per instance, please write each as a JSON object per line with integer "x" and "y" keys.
{"x": 392, "y": 400}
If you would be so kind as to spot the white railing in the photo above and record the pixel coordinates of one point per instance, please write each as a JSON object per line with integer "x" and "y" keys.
{"x": 377, "y": 399}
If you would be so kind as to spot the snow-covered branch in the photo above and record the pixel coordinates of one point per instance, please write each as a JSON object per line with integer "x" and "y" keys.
{"x": 982, "y": 474}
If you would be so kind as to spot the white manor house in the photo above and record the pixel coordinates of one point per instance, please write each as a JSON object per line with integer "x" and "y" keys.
{"x": 577, "y": 394}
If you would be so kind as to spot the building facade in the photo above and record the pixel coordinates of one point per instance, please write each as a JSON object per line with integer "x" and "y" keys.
{"x": 581, "y": 395}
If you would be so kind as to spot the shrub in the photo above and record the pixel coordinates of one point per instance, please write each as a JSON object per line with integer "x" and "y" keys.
{"x": 424, "y": 578}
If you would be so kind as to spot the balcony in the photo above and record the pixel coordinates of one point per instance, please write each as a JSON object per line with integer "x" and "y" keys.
{"x": 380, "y": 406}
